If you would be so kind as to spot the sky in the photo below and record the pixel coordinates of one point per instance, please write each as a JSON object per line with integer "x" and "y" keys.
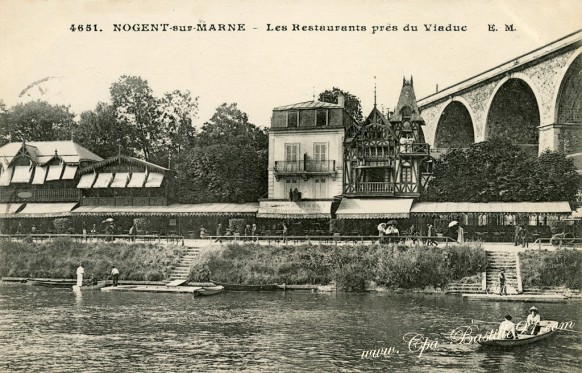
{"x": 257, "y": 68}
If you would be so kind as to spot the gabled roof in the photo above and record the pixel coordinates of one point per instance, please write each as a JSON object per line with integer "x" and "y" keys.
{"x": 407, "y": 98}
{"x": 43, "y": 151}
{"x": 309, "y": 105}
{"x": 123, "y": 159}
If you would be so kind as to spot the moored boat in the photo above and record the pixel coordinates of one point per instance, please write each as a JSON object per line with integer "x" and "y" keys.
{"x": 209, "y": 290}
{"x": 96, "y": 286}
{"x": 242, "y": 287}
{"x": 65, "y": 284}
{"x": 547, "y": 328}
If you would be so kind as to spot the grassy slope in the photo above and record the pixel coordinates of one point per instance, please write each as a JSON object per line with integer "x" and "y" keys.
{"x": 61, "y": 257}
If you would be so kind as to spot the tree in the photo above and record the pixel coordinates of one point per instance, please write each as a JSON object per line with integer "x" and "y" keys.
{"x": 136, "y": 108}
{"x": 36, "y": 121}
{"x": 229, "y": 125}
{"x": 497, "y": 171}
{"x": 176, "y": 113}
{"x": 352, "y": 103}
{"x": 99, "y": 131}
{"x": 140, "y": 124}
{"x": 221, "y": 173}
{"x": 228, "y": 163}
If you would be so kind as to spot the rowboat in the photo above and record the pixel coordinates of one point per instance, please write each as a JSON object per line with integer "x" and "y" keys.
{"x": 65, "y": 284}
{"x": 242, "y": 287}
{"x": 209, "y": 290}
{"x": 547, "y": 328}
{"x": 196, "y": 290}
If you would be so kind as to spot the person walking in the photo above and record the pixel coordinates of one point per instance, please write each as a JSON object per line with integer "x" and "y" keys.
{"x": 431, "y": 234}
{"x": 524, "y": 239}
{"x": 115, "y": 276}
{"x": 80, "y": 273}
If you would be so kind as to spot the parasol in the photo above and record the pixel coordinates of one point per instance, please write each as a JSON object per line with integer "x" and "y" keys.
{"x": 108, "y": 220}
{"x": 454, "y": 222}
{"x": 392, "y": 222}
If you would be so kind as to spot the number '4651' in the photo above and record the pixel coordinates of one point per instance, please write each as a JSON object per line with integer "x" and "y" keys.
{"x": 82, "y": 28}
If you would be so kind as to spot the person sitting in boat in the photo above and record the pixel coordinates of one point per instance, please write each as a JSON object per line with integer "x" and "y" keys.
{"x": 533, "y": 321}
{"x": 507, "y": 329}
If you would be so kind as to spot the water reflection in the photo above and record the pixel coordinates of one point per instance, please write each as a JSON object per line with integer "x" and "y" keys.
{"x": 49, "y": 329}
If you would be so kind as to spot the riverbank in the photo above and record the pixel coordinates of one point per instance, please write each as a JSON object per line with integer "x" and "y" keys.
{"x": 543, "y": 268}
{"x": 349, "y": 267}
{"x": 60, "y": 258}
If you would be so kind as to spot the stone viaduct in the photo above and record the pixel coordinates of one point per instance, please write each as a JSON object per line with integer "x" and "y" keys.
{"x": 535, "y": 100}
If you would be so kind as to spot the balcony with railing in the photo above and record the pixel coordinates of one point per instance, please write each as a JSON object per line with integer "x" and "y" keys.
{"x": 39, "y": 195}
{"x": 304, "y": 168}
{"x": 372, "y": 187}
{"x": 414, "y": 149}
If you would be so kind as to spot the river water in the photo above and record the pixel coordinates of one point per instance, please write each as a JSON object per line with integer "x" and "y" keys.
{"x": 58, "y": 330}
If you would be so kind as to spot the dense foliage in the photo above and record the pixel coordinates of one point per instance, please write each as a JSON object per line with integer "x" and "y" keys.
{"x": 60, "y": 258}
{"x": 228, "y": 163}
{"x": 352, "y": 267}
{"x": 35, "y": 121}
{"x": 497, "y": 171}
{"x": 552, "y": 268}
{"x": 140, "y": 124}
{"x": 352, "y": 103}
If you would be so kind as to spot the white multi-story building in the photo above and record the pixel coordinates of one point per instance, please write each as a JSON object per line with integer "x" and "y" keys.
{"x": 305, "y": 159}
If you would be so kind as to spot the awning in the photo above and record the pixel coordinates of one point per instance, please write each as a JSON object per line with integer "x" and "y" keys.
{"x": 137, "y": 180}
{"x": 22, "y": 174}
{"x": 39, "y": 175}
{"x": 432, "y": 208}
{"x": 70, "y": 172}
{"x": 120, "y": 180}
{"x": 387, "y": 208}
{"x": 295, "y": 210}
{"x": 6, "y": 176}
{"x": 54, "y": 172}
{"x": 46, "y": 210}
{"x": 154, "y": 180}
{"x": 9, "y": 209}
{"x": 202, "y": 209}
{"x": 103, "y": 180}
{"x": 86, "y": 181}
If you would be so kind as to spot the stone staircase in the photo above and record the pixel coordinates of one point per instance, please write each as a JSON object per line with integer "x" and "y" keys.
{"x": 505, "y": 261}
{"x": 182, "y": 270}
{"x": 497, "y": 261}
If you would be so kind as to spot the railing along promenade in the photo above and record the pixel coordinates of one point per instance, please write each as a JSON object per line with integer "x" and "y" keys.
{"x": 39, "y": 237}
{"x": 356, "y": 239}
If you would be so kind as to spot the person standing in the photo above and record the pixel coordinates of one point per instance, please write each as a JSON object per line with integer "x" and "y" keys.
{"x": 517, "y": 234}
{"x": 431, "y": 234}
{"x": 80, "y": 273}
{"x": 460, "y": 235}
{"x": 501, "y": 280}
{"x": 524, "y": 236}
{"x": 115, "y": 276}
{"x": 219, "y": 233}
{"x": 254, "y": 232}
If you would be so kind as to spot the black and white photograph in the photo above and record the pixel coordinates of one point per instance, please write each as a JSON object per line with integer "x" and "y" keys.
{"x": 290, "y": 186}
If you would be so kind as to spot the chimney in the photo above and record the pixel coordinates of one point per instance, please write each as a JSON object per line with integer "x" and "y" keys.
{"x": 341, "y": 99}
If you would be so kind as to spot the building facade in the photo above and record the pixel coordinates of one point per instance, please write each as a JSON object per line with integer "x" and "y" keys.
{"x": 305, "y": 159}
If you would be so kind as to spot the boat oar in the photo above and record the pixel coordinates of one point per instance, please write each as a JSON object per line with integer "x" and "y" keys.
{"x": 475, "y": 321}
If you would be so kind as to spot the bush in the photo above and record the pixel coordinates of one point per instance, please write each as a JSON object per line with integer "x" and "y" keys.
{"x": 60, "y": 258}
{"x": 552, "y": 268}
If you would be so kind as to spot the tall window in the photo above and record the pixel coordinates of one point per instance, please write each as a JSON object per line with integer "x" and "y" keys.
{"x": 291, "y": 152}
{"x": 292, "y": 119}
{"x": 406, "y": 175}
{"x": 321, "y": 118}
{"x": 320, "y": 152}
